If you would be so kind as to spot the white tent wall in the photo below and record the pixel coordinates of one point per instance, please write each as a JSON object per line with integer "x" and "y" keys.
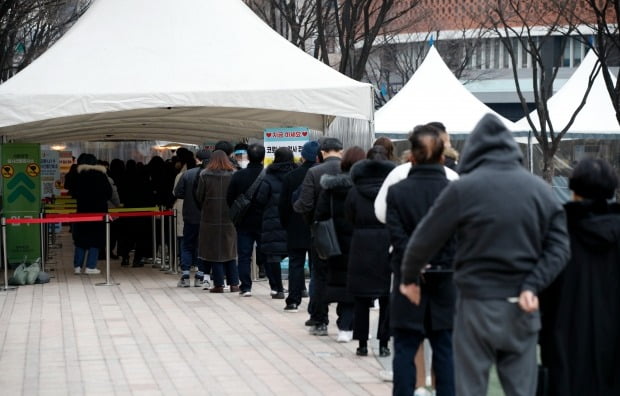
{"x": 188, "y": 70}
{"x": 432, "y": 94}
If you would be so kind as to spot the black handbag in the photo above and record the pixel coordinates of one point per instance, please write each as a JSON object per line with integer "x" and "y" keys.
{"x": 324, "y": 236}
{"x": 241, "y": 204}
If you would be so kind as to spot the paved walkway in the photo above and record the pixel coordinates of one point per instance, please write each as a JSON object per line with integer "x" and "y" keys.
{"x": 146, "y": 336}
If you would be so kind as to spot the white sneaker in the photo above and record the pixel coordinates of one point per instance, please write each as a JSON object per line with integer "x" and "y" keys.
{"x": 246, "y": 293}
{"x": 344, "y": 336}
{"x": 92, "y": 271}
{"x": 386, "y": 375}
{"x": 206, "y": 285}
{"x": 77, "y": 270}
{"x": 421, "y": 391}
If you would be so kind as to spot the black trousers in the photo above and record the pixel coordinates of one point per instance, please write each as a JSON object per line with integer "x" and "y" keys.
{"x": 362, "y": 319}
{"x": 318, "y": 296}
{"x": 296, "y": 279}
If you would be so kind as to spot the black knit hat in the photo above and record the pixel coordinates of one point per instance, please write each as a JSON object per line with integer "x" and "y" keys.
{"x": 593, "y": 179}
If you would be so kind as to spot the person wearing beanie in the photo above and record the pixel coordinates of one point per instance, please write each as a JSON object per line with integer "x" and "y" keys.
{"x": 298, "y": 242}
{"x": 581, "y": 309}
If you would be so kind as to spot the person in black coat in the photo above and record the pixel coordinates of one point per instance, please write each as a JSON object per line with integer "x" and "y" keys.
{"x": 369, "y": 273}
{"x": 273, "y": 236}
{"x": 579, "y": 340}
{"x": 408, "y": 201}
{"x": 331, "y": 205}
{"x": 331, "y": 152}
{"x": 249, "y": 228}
{"x": 298, "y": 231}
{"x": 92, "y": 190}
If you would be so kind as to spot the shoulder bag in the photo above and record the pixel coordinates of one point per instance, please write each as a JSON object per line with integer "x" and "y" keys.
{"x": 241, "y": 204}
{"x": 324, "y": 236}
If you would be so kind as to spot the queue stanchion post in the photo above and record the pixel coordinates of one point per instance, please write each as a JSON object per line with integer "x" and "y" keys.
{"x": 43, "y": 241}
{"x": 5, "y": 262}
{"x": 107, "y": 254}
{"x": 171, "y": 246}
{"x": 154, "y": 236}
{"x": 162, "y": 235}
{"x": 176, "y": 245}
{"x": 254, "y": 265}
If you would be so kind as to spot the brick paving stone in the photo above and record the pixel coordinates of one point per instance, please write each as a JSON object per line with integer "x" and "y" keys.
{"x": 148, "y": 337}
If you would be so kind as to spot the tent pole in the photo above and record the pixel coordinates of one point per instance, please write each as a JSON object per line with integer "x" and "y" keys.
{"x": 530, "y": 152}
{"x": 325, "y": 125}
{"x": 371, "y": 120}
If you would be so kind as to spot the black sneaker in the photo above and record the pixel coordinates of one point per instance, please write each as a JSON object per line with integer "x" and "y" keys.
{"x": 319, "y": 330}
{"x": 291, "y": 308}
{"x": 311, "y": 322}
{"x": 362, "y": 351}
{"x": 384, "y": 351}
{"x": 278, "y": 296}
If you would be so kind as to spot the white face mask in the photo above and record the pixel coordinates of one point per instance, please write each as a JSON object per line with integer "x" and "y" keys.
{"x": 244, "y": 163}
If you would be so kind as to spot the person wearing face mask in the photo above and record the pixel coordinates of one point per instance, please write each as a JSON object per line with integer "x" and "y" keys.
{"x": 241, "y": 155}
{"x": 250, "y": 227}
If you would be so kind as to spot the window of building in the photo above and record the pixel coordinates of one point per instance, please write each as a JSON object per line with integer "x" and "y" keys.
{"x": 566, "y": 56}
{"x": 577, "y": 52}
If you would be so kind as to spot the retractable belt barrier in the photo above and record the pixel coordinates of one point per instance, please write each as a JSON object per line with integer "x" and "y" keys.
{"x": 69, "y": 215}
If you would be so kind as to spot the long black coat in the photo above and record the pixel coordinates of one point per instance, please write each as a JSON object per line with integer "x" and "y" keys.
{"x": 91, "y": 191}
{"x": 273, "y": 236}
{"x": 407, "y": 203}
{"x": 335, "y": 189}
{"x": 240, "y": 183}
{"x": 580, "y": 337}
{"x": 369, "y": 273}
{"x": 296, "y": 227}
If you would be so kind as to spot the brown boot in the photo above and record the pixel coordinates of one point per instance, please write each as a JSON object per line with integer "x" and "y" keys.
{"x": 217, "y": 289}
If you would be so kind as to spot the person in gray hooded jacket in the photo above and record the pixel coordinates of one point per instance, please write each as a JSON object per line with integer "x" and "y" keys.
{"x": 512, "y": 243}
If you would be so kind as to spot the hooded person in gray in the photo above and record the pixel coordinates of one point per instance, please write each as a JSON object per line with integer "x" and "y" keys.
{"x": 511, "y": 243}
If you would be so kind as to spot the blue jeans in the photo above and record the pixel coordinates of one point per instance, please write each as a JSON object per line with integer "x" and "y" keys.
{"x": 80, "y": 253}
{"x": 245, "y": 246}
{"x": 230, "y": 267}
{"x": 189, "y": 247}
{"x": 406, "y": 344}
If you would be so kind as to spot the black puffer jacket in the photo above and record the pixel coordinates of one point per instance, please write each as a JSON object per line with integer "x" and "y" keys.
{"x": 273, "y": 236}
{"x": 336, "y": 188}
{"x": 369, "y": 259}
{"x": 91, "y": 191}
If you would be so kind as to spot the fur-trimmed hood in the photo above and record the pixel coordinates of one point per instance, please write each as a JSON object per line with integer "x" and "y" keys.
{"x": 371, "y": 169}
{"x": 368, "y": 176}
{"x": 86, "y": 168}
{"x": 336, "y": 182}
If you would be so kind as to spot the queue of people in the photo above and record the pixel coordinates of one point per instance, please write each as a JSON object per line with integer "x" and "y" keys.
{"x": 460, "y": 259}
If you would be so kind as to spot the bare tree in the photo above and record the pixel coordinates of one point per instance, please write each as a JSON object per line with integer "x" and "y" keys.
{"x": 602, "y": 19}
{"x": 293, "y": 19}
{"x": 29, "y": 27}
{"x": 529, "y": 26}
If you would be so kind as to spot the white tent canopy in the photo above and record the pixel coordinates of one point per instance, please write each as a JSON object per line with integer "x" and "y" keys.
{"x": 432, "y": 94}
{"x": 596, "y": 118}
{"x": 186, "y": 70}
